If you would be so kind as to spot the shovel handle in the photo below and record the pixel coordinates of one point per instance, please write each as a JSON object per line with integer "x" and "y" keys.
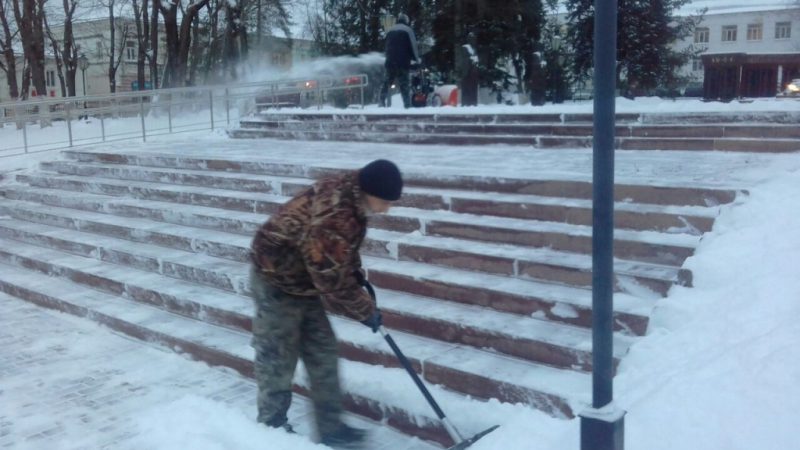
{"x": 410, "y": 369}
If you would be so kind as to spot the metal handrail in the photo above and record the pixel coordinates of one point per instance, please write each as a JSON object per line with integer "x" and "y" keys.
{"x": 151, "y": 105}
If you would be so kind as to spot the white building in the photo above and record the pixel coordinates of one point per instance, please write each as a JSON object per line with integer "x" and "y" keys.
{"x": 751, "y": 48}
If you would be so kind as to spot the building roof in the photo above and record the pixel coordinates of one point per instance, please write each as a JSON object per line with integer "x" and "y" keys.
{"x": 736, "y": 6}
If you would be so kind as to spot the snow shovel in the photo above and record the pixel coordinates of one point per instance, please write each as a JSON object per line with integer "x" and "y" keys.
{"x": 460, "y": 442}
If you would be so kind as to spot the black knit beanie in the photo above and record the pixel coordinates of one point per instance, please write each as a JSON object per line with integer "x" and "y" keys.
{"x": 382, "y": 179}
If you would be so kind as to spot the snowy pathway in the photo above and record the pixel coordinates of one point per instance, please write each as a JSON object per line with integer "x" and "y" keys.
{"x": 68, "y": 383}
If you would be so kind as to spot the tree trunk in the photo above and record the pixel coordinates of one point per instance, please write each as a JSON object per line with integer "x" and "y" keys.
{"x": 197, "y": 52}
{"x": 29, "y": 21}
{"x": 233, "y": 27}
{"x": 154, "y": 45}
{"x": 140, "y": 17}
{"x": 9, "y": 60}
{"x": 112, "y": 69}
{"x": 185, "y": 38}
{"x": 213, "y": 43}
{"x": 170, "y": 15}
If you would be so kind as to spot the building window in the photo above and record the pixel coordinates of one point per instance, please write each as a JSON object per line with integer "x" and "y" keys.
{"x": 755, "y": 32}
{"x": 278, "y": 59}
{"x": 701, "y": 35}
{"x": 51, "y": 77}
{"x": 697, "y": 65}
{"x": 130, "y": 51}
{"x": 783, "y": 30}
{"x": 729, "y": 33}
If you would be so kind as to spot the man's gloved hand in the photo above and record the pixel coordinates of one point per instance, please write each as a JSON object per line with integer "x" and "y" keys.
{"x": 360, "y": 278}
{"x": 374, "y": 321}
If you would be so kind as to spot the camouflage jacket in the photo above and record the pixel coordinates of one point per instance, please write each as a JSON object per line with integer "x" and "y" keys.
{"x": 310, "y": 246}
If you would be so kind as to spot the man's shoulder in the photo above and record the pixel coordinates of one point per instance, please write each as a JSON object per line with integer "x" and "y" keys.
{"x": 400, "y": 28}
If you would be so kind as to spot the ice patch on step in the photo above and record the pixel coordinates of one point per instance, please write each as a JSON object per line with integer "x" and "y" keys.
{"x": 564, "y": 311}
{"x": 687, "y": 228}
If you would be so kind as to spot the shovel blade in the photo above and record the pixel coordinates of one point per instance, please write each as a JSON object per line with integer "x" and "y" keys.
{"x": 467, "y": 442}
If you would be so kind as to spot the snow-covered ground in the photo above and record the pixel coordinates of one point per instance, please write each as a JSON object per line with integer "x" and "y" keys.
{"x": 718, "y": 369}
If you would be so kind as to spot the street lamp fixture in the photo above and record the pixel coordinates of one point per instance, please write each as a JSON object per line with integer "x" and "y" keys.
{"x": 83, "y": 64}
{"x": 388, "y": 21}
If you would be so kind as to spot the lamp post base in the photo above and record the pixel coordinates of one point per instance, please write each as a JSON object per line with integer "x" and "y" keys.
{"x": 603, "y": 429}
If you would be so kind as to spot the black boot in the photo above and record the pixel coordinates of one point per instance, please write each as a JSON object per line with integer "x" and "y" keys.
{"x": 345, "y": 436}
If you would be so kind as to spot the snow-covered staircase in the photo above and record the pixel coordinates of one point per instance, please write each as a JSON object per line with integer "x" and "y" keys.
{"x": 735, "y": 131}
{"x": 485, "y": 280}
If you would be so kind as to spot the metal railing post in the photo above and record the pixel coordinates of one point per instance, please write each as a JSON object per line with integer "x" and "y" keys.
{"x": 319, "y": 95}
{"x": 211, "y": 106}
{"x": 103, "y": 127}
{"x": 362, "y": 93}
{"x": 169, "y": 112}
{"x": 227, "y": 108}
{"x": 141, "y": 109}
{"x": 69, "y": 121}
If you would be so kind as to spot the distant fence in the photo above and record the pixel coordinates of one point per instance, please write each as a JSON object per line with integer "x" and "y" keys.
{"x": 40, "y": 125}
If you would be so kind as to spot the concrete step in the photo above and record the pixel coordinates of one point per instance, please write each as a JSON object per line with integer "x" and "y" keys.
{"x": 633, "y": 118}
{"x": 530, "y": 128}
{"x": 140, "y": 219}
{"x": 368, "y": 389}
{"x": 562, "y": 304}
{"x": 441, "y": 116}
{"x": 651, "y": 194}
{"x": 472, "y": 137}
{"x": 545, "y": 208}
{"x": 543, "y": 264}
{"x": 233, "y": 312}
{"x": 645, "y": 246}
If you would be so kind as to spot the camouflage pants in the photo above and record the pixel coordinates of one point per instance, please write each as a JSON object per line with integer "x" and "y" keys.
{"x": 286, "y": 328}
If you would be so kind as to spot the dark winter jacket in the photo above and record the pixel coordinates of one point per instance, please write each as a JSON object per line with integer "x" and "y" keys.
{"x": 401, "y": 46}
{"x": 310, "y": 246}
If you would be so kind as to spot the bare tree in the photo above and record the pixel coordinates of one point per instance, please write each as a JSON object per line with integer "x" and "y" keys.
{"x": 214, "y": 41}
{"x": 116, "y": 50}
{"x": 29, "y": 15}
{"x": 66, "y": 51}
{"x": 178, "y": 38}
{"x": 143, "y": 56}
{"x": 8, "y": 63}
{"x": 154, "y": 43}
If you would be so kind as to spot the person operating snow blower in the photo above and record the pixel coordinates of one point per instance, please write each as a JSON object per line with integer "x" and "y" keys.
{"x": 305, "y": 263}
{"x": 401, "y": 52}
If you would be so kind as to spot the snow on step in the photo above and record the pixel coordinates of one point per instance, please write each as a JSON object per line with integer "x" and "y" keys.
{"x": 271, "y": 183}
{"x": 160, "y": 321}
{"x": 169, "y": 212}
{"x": 168, "y": 175}
{"x": 653, "y": 237}
{"x": 142, "y": 225}
{"x": 526, "y": 288}
{"x": 159, "y": 259}
{"x": 135, "y": 188}
{"x": 361, "y": 379}
{"x": 169, "y": 260}
{"x": 132, "y": 278}
{"x": 533, "y": 200}
{"x": 496, "y": 322}
{"x": 528, "y": 254}
{"x": 144, "y": 188}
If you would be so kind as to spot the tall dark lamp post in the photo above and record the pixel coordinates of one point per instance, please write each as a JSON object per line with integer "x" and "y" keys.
{"x": 83, "y": 64}
{"x": 603, "y": 425}
{"x": 558, "y": 95}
